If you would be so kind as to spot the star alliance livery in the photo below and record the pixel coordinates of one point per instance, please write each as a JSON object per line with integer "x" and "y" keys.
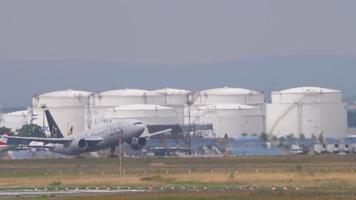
{"x": 105, "y": 136}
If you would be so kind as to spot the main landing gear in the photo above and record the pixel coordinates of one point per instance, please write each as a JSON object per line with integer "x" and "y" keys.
{"x": 112, "y": 152}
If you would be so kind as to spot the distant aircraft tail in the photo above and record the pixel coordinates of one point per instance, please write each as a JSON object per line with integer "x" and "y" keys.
{"x": 3, "y": 140}
{"x": 53, "y": 127}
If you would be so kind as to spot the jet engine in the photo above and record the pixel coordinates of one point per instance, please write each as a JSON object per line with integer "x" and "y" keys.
{"x": 82, "y": 144}
{"x": 137, "y": 143}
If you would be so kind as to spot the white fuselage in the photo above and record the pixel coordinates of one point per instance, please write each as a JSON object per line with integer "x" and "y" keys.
{"x": 109, "y": 135}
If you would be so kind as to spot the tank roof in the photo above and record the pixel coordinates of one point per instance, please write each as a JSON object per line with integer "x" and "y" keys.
{"x": 229, "y": 91}
{"x": 308, "y": 90}
{"x": 172, "y": 91}
{"x": 66, "y": 93}
{"x": 20, "y": 112}
{"x": 128, "y": 92}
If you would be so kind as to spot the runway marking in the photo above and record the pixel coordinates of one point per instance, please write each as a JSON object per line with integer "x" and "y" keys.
{"x": 72, "y": 191}
{"x": 113, "y": 190}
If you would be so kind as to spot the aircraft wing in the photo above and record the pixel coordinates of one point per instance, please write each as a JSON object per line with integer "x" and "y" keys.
{"x": 17, "y": 139}
{"x": 146, "y": 134}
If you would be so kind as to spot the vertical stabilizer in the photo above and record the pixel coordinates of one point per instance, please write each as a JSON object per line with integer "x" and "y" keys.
{"x": 3, "y": 140}
{"x": 53, "y": 127}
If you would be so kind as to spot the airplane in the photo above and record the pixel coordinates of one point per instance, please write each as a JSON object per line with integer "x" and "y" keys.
{"x": 101, "y": 137}
{"x": 3, "y": 143}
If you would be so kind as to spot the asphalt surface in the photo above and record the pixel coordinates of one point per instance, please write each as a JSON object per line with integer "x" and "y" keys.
{"x": 36, "y": 192}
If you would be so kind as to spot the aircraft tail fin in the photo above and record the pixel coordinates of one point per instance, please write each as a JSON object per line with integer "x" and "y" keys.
{"x": 53, "y": 127}
{"x": 3, "y": 140}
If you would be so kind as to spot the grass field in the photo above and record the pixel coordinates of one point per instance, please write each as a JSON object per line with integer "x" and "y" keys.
{"x": 285, "y": 177}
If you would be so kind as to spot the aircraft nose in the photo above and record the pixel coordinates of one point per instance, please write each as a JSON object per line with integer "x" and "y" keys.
{"x": 141, "y": 129}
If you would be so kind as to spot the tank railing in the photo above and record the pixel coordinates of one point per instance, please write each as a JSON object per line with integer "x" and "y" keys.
{"x": 201, "y": 114}
{"x": 284, "y": 114}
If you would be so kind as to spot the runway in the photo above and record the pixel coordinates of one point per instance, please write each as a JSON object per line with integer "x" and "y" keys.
{"x": 36, "y": 192}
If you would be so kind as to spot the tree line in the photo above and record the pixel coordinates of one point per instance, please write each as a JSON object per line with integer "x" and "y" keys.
{"x": 27, "y": 130}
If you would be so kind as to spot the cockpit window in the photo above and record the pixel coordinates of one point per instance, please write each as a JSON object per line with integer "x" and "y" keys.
{"x": 137, "y": 123}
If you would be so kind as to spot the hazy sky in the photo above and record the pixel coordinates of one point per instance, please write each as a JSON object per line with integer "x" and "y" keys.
{"x": 21, "y": 79}
{"x": 194, "y": 44}
{"x": 180, "y": 31}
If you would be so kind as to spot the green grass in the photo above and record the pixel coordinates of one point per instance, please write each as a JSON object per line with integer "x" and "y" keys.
{"x": 321, "y": 177}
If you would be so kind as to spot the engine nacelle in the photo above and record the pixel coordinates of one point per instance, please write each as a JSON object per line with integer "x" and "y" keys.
{"x": 82, "y": 144}
{"x": 137, "y": 143}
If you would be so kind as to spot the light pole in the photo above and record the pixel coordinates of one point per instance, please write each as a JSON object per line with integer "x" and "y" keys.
{"x": 190, "y": 101}
{"x": 43, "y": 106}
{"x": 120, "y": 157}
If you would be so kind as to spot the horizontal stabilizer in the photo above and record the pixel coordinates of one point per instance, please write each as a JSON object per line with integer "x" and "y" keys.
{"x": 37, "y": 146}
{"x": 16, "y": 139}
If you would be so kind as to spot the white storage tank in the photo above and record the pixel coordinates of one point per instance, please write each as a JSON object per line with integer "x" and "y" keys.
{"x": 147, "y": 113}
{"x": 68, "y": 107}
{"x": 227, "y": 95}
{"x": 307, "y": 110}
{"x": 14, "y": 120}
{"x": 100, "y": 102}
{"x": 231, "y": 119}
{"x": 176, "y": 98}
